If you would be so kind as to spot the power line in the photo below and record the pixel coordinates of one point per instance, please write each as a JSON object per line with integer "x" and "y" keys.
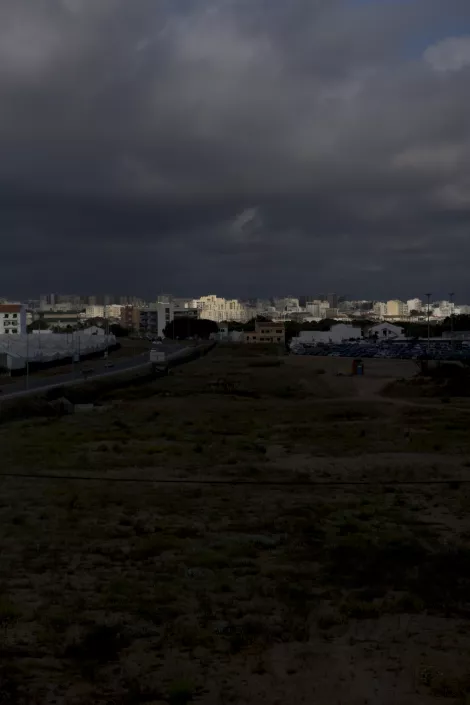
{"x": 233, "y": 483}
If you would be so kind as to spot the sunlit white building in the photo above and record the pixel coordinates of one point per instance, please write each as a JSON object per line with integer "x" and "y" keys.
{"x": 214, "y": 308}
{"x": 111, "y": 311}
{"x": 444, "y": 309}
{"x": 414, "y": 305}
{"x": 396, "y": 308}
{"x": 12, "y": 319}
{"x": 380, "y": 309}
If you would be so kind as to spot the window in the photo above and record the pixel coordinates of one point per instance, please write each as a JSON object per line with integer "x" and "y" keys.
{"x": 7, "y": 315}
{"x": 278, "y": 331}
{"x": 15, "y": 315}
{"x": 7, "y": 331}
{"x": 14, "y": 331}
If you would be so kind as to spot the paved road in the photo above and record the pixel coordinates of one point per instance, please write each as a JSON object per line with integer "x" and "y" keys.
{"x": 98, "y": 365}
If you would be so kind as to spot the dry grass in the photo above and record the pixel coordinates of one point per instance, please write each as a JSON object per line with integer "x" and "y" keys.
{"x": 161, "y": 593}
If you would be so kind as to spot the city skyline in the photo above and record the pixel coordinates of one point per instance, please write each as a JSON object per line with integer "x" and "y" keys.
{"x": 62, "y": 301}
{"x": 110, "y": 299}
{"x": 235, "y": 146}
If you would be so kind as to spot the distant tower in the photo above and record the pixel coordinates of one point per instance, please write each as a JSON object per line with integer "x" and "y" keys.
{"x": 332, "y": 300}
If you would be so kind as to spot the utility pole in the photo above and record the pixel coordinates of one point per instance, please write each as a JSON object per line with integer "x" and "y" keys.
{"x": 27, "y": 359}
{"x": 429, "y": 313}
{"x": 451, "y": 296}
{"x": 106, "y": 328}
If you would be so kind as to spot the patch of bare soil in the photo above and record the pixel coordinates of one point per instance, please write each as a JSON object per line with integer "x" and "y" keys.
{"x": 443, "y": 380}
{"x": 298, "y": 570}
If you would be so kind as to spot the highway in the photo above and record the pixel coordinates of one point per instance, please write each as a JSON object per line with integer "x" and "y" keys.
{"x": 36, "y": 383}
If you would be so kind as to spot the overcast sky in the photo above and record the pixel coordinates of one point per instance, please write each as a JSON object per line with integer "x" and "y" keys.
{"x": 238, "y": 147}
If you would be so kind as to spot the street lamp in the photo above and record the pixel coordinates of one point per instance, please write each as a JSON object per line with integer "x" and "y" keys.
{"x": 451, "y": 296}
{"x": 27, "y": 359}
{"x": 429, "y": 312}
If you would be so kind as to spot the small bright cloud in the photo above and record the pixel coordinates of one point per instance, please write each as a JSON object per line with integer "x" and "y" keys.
{"x": 450, "y": 54}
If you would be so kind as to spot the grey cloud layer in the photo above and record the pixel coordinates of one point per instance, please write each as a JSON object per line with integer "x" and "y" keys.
{"x": 146, "y": 132}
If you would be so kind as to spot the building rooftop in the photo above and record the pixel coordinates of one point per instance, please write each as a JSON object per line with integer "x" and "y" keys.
{"x": 10, "y": 308}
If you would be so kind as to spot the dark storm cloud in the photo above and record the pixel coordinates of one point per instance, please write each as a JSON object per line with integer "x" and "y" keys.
{"x": 232, "y": 145}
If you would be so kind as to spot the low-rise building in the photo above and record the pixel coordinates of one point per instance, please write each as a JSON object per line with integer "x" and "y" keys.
{"x": 336, "y": 334}
{"x": 225, "y": 335}
{"x": 93, "y": 330}
{"x": 266, "y": 332}
{"x": 59, "y": 319}
{"x": 186, "y": 312}
{"x": 12, "y": 319}
{"x": 385, "y": 331}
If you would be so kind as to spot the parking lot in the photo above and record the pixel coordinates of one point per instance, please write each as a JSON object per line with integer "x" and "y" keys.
{"x": 402, "y": 350}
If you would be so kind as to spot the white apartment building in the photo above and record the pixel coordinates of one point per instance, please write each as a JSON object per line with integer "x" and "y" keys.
{"x": 62, "y": 307}
{"x": 165, "y": 312}
{"x": 287, "y": 303}
{"x": 414, "y": 305}
{"x": 111, "y": 311}
{"x": 444, "y": 309}
{"x": 380, "y": 309}
{"x": 218, "y": 309}
{"x": 94, "y": 312}
{"x": 12, "y": 319}
{"x": 314, "y": 308}
{"x": 396, "y": 308}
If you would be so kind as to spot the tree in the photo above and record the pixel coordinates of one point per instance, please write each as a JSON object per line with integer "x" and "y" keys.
{"x": 235, "y": 325}
{"x": 187, "y": 327}
{"x": 39, "y": 324}
{"x": 292, "y": 329}
{"x": 457, "y": 323}
{"x": 420, "y": 330}
{"x": 250, "y": 325}
{"x": 100, "y": 322}
{"x": 118, "y": 330}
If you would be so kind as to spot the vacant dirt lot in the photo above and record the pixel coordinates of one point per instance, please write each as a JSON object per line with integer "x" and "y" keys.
{"x": 236, "y": 533}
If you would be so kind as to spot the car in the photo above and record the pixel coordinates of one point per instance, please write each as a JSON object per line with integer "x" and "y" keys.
{"x": 109, "y": 364}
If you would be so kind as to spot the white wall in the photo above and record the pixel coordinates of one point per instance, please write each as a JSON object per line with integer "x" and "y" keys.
{"x": 336, "y": 334}
{"x": 163, "y": 318}
{"x": 392, "y": 331}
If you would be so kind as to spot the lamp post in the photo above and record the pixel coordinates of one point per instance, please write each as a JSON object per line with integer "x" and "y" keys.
{"x": 27, "y": 359}
{"x": 106, "y": 329}
{"x": 429, "y": 312}
{"x": 451, "y": 296}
